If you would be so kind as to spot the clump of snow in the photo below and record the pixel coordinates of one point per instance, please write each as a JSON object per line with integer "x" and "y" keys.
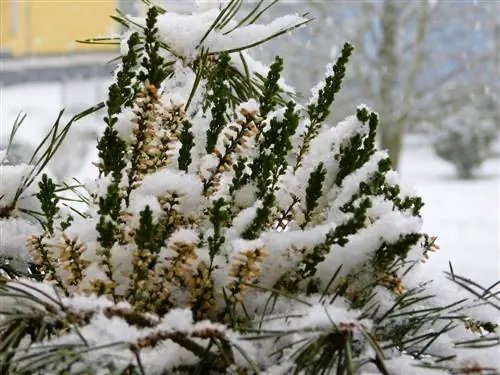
{"x": 15, "y": 192}
{"x": 124, "y": 125}
{"x": 245, "y": 218}
{"x": 403, "y": 365}
{"x": 250, "y": 106}
{"x": 245, "y": 196}
{"x": 14, "y": 232}
{"x": 169, "y": 181}
{"x": 139, "y": 201}
{"x": 184, "y": 236}
{"x": 12, "y": 178}
{"x": 97, "y": 187}
{"x": 177, "y": 91}
{"x": 184, "y": 32}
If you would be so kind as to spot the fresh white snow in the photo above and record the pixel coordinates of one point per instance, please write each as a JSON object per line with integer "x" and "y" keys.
{"x": 464, "y": 214}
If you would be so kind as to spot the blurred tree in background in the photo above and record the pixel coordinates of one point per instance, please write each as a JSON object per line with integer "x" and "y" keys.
{"x": 419, "y": 62}
{"x": 465, "y": 141}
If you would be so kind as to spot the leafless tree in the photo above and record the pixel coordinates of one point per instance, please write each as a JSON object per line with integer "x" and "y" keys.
{"x": 416, "y": 61}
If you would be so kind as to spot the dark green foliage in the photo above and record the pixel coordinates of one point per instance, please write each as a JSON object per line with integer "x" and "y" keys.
{"x": 146, "y": 233}
{"x": 125, "y": 77}
{"x": 358, "y": 150}
{"x": 107, "y": 232}
{"x": 110, "y": 147}
{"x": 187, "y": 140}
{"x": 364, "y": 116}
{"x": 48, "y": 202}
{"x": 414, "y": 204}
{"x": 152, "y": 61}
{"x": 261, "y": 219}
{"x": 220, "y": 218}
{"x": 271, "y": 164}
{"x": 338, "y": 236}
{"x": 487, "y": 326}
{"x": 166, "y": 223}
{"x": 110, "y": 204}
{"x": 331, "y": 350}
{"x": 374, "y": 186}
{"x": 319, "y": 111}
{"x": 268, "y": 100}
{"x": 313, "y": 192}
{"x": 111, "y": 151}
{"x": 109, "y": 211}
{"x": 274, "y": 149}
{"x": 113, "y": 104}
{"x": 389, "y": 252}
{"x": 219, "y": 97}
{"x": 348, "y": 160}
{"x": 240, "y": 178}
{"x": 121, "y": 92}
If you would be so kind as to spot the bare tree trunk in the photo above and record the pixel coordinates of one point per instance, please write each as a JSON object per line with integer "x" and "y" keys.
{"x": 393, "y": 128}
{"x": 389, "y": 130}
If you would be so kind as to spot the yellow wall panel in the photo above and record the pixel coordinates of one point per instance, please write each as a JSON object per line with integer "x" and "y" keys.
{"x": 52, "y": 26}
{"x": 5, "y": 23}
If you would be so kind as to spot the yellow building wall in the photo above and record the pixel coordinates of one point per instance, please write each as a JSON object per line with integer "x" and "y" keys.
{"x": 52, "y": 26}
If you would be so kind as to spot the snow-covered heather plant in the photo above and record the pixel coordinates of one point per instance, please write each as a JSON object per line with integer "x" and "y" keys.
{"x": 230, "y": 229}
{"x": 466, "y": 140}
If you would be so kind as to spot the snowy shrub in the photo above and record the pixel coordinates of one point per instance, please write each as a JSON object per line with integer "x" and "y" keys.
{"x": 466, "y": 140}
{"x": 230, "y": 229}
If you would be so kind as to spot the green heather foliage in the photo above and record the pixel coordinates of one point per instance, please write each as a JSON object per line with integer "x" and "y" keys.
{"x": 229, "y": 230}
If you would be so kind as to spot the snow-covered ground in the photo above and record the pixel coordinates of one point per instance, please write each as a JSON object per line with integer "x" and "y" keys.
{"x": 42, "y": 103}
{"x": 465, "y": 215}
